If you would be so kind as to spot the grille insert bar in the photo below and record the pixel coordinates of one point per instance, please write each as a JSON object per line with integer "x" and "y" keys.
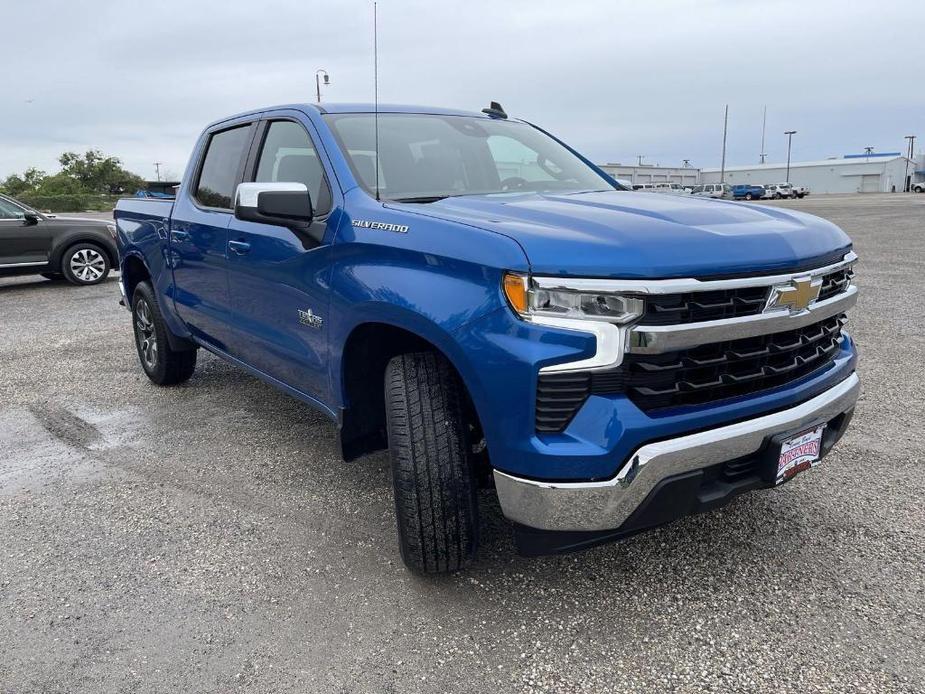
{"x": 700, "y": 375}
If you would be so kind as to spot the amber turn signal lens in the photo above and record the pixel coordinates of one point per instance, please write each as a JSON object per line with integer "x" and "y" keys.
{"x": 515, "y": 289}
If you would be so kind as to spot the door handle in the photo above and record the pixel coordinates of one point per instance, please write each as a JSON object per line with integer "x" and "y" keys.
{"x": 239, "y": 247}
{"x": 178, "y": 235}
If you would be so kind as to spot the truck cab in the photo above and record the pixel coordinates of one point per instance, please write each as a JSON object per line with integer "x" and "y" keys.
{"x": 472, "y": 294}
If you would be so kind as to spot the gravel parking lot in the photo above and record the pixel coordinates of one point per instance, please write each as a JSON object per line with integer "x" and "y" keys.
{"x": 208, "y": 538}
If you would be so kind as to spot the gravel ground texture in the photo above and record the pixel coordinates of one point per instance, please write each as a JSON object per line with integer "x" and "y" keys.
{"x": 208, "y": 538}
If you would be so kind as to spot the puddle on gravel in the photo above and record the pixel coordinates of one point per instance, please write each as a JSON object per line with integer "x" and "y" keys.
{"x": 52, "y": 443}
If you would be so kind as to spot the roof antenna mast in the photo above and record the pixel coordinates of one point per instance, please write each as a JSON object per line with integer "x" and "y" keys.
{"x": 376, "y": 91}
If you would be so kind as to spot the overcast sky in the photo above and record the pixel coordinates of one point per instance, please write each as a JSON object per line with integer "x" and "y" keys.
{"x": 615, "y": 79}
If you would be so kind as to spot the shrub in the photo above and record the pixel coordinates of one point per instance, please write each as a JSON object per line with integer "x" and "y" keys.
{"x": 76, "y": 202}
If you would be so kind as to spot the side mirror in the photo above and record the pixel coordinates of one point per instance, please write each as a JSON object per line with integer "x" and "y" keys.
{"x": 283, "y": 204}
{"x": 30, "y": 217}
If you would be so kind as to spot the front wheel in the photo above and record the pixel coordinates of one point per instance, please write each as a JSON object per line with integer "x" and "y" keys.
{"x": 85, "y": 263}
{"x": 748, "y": 196}
{"x": 162, "y": 364}
{"x": 435, "y": 490}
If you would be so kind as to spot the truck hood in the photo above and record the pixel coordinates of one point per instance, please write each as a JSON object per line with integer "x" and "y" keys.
{"x": 647, "y": 235}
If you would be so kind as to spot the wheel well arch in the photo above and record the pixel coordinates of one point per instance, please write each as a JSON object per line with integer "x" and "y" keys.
{"x": 133, "y": 271}
{"x": 367, "y": 351}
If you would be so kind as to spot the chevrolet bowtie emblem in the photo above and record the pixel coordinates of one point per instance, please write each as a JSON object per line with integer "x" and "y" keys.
{"x": 797, "y": 295}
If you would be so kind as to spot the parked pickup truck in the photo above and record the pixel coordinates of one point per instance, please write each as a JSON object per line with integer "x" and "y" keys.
{"x": 748, "y": 192}
{"x": 472, "y": 294}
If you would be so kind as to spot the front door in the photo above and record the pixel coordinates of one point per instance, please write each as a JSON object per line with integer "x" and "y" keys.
{"x": 278, "y": 278}
{"x": 21, "y": 244}
{"x": 199, "y": 236}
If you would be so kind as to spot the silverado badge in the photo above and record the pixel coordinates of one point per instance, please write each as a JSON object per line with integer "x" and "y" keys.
{"x": 380, "y": 226}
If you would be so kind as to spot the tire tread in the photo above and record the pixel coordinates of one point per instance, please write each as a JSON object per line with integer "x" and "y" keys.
{"x": 435, "y": 500}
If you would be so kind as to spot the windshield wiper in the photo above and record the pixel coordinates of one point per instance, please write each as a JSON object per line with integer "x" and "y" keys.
{"x": 423, "y": 198}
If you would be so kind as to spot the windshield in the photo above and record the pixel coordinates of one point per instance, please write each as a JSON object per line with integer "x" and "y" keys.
{"x": 427, "y": 157}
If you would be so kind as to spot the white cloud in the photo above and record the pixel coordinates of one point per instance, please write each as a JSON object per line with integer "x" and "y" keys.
{"x": 614, "y": 79}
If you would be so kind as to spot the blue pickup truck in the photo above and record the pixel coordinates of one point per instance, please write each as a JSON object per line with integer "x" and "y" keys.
{"x": 747, "y": 191}
{"x": 470, "y": 293}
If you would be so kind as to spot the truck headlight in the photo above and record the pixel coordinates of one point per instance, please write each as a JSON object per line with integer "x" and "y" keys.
{"x": 530, "y": 299}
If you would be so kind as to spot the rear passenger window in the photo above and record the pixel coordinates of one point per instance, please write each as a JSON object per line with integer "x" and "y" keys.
{"x": 220, "y": 167}
{"x": 288, "y": 156}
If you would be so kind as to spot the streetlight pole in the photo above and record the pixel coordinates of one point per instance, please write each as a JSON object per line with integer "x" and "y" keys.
{"x": 789, "y": 134}
{"x": 327, "y": 81}
{"x": 906, "y": 181}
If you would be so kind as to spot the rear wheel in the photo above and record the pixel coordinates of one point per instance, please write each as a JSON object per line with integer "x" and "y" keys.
{"x": 433, "y": 479}
{"x": 162, "y": 364}
{"x": 748, "y": 196}
{"x": 85, "y": 263}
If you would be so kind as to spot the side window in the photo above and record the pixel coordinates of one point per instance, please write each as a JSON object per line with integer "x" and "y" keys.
{"x": 220, "y": 167}
{"x": 9, "y": 211}
{"x": 288, "y": 156}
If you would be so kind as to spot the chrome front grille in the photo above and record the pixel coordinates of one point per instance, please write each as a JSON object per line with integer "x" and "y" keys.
{"x": 712, "y": 341}
{"x": 694, "y": 307}
{"x": 727, "y": 369}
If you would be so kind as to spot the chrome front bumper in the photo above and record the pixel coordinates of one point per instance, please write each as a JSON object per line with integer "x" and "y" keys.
{"x": 594, "y": 506}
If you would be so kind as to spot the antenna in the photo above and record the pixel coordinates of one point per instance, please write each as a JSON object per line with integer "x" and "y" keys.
{"x": 376, "y": 91}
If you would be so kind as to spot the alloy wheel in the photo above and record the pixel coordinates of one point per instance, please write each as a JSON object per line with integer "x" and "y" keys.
{"x": 87, "y": 265}
{"x": 145, "y": 334}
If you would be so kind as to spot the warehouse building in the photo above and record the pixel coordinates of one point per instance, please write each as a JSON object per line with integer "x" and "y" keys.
{"x": 652, "y": 173}
{"x": 852, "y": 173}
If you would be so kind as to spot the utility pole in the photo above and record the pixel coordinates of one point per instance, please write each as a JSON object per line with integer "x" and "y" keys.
{"x": 157, "y": 170}
{"x": 789, "y": 134}
{"x": 722, "y": 170}
{"x": 868, "y": 151}
{"x": 764, "y": 123}
{"x": 906, "y": 181}
{"x": 639, "y": 158}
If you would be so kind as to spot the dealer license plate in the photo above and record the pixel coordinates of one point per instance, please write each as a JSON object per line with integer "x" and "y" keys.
{"x": 799, "y": 453}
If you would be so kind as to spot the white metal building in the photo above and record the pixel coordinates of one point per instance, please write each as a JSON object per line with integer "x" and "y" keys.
{"x": 853, "y": 173}
{"x": 646, "y": 173}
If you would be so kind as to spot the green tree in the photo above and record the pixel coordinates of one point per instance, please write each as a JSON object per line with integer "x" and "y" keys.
{"x": 60, "y": 184}
{"x": 30, "y": 181}
{"x": 98, "y": 173}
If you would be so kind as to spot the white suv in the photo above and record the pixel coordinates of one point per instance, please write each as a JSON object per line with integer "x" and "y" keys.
{"x": 713, "y": 190}
{"x": 672, "y": 188}
{"x": 779, "y": 190}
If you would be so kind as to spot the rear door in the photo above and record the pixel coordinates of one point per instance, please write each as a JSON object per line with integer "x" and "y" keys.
{"x": 278, "y": 278}
{"x": 199, "y": 234}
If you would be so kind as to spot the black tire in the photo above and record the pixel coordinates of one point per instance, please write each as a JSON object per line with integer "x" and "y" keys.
{"x": 85, "y": 264}
{"x": 748, "y": 196}
{"x": 435, "y": 487}
{"x": 162, "y": 364}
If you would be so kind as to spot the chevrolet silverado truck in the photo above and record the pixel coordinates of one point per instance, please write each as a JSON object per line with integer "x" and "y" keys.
{"x": 472, "y": 294}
